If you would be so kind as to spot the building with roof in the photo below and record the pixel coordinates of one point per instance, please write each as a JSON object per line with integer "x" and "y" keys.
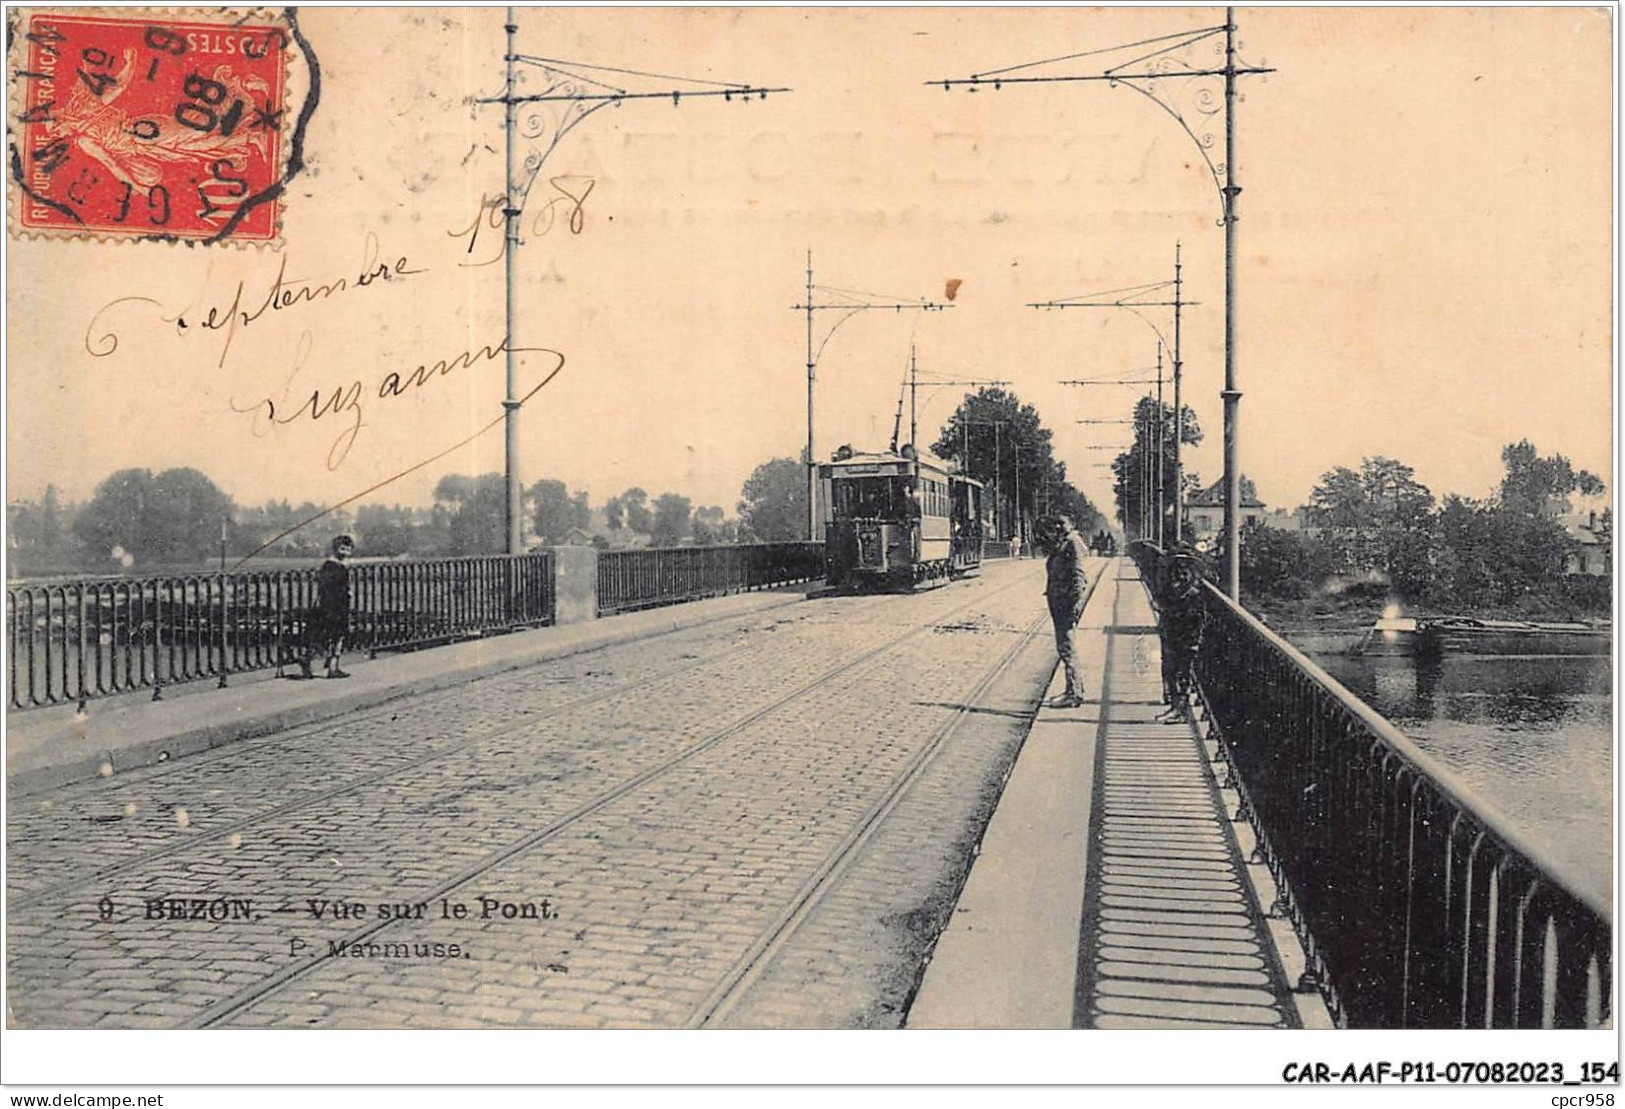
{"x": 1589, "y": 543}
{"x": 1204, "y": 512}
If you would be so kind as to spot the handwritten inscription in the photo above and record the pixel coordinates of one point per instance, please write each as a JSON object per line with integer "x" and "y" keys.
{"x": 572, "y": 191}
{"x": 343, "y": 403}
{"x": 283, "y": 293}
{"x": 288, "y": 292}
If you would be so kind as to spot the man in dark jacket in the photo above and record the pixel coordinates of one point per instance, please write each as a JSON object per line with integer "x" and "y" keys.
{"x": 1182, "y": 618}
{"x": 1065, "y": 587}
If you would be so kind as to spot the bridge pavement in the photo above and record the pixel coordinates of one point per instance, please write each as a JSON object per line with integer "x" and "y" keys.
{"x": 763, "y": 819}
{"x": 1110, "y": 889}
{"x": 760, "y": 821}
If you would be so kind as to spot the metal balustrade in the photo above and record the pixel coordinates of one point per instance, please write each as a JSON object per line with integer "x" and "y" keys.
{"x": 631, "y": 580}
{"x": 1418, "y": 906}
{"x": 77, "y": 640}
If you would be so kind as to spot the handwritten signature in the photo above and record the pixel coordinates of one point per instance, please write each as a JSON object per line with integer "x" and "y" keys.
{"x": 492, "y": 214}
{"x": 284, "y": 293}
{"x": 343, "y": 403}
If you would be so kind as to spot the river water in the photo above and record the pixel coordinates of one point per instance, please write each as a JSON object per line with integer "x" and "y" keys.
{"x": 1531, "y": 736}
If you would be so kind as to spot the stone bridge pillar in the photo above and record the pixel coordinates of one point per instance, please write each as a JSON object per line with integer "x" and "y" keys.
{"x": 575, "y": 583}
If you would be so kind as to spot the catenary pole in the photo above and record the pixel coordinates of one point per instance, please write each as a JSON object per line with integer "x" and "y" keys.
{"x": 1232, "y": 394}
{"x": 565, "y": 89}
{"x": 1179, "y": 411}
{"x": 510, "y": 404}
{"x": 1143, "y": 79}
{"x": 846, "y": 309}
{"x": 812, "y": 460}
{"x": 1162, "y": 490}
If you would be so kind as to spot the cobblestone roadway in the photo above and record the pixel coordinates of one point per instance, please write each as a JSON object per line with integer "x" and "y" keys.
{"x": 657, "y": 892}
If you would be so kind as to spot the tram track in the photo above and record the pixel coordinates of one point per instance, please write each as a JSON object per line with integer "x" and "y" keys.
{"x": 184, "y": 842}
{"x": 733, "y": 987}
{"x": 743, "y": 974}
{"x": 244, "y": 999}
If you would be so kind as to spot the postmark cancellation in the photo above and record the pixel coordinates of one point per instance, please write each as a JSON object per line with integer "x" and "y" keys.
{"x": 147, "y": 124}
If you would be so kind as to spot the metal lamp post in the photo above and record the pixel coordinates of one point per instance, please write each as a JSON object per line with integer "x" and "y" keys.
{"x": 1162, "y": 63}
{"x": 581, "y": 96}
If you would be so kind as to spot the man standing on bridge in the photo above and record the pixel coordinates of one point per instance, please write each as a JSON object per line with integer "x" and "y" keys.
{"x": 1065, "y": 588}
{"x": 1181, "y": 617}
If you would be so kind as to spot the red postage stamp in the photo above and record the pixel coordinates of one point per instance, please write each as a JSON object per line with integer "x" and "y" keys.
{"x": 147, "y": 126}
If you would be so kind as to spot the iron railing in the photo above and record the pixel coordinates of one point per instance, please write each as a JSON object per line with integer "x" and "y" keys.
{"x": 995, "y": 548}
{"x": 76, "y": 640}
{"x": 1418, "y": 906}
{"x": 630, "y": 580}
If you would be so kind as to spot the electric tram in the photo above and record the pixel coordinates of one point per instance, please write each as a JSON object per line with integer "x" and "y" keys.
{"x": 897, "y": 521}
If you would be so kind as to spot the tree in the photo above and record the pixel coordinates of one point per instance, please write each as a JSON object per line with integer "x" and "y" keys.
{"x": 1137, "y": 470}
{"x": 173, "y": 517}
{"x": 1511, "y": 550}
{"x": 1283, "y": 564}
{"x": 50, "y": 520}
{"x": 1537, "y": 486}
{"x": 39, "y": 534}
{"x": 384, "y": 530}
{"x": 614, "y": 515}
{"x": 773, "y": 503}
{"x": 556, "y": 511}
{"x": 635, "y": 504}
{"x": 1465, "y": 570}
{"x": 477, "y": 509}
{"x": 1339, "y": 509}
{"x": 1066, "y": 500}
{"x": 711, "y": 527}
{"x": 1003, "y": 443}
{"x": 1379, "y": 518}
{"x": 1000, "y": 442}
{"x": 670, "y": 524}
{"x": 1405, "y": 539}
{"x": 1489, "y": 554}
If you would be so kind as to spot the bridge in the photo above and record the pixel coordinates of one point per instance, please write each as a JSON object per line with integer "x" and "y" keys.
{"x": 691, "y": 789}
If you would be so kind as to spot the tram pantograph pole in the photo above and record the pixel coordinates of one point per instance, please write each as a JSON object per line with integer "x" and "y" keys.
{"x": 850, "y": 307}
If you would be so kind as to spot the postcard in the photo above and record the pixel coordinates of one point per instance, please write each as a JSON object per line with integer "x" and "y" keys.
{"x": 860, "y": 518}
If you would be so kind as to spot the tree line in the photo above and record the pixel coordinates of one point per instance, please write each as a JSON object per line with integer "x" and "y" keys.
{"x": 1143, "y": 482}
{"x": 140, "y": 520}
{"x": 1380, "y": 528}
{"x": 137, "y": 519}
{"x": 1001, "y": 442}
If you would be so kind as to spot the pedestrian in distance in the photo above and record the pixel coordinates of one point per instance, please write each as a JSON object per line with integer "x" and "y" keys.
{"x": 329, "y": 621}
{"x": 1065, "y": 587}
{"x": 1181, "y": 618}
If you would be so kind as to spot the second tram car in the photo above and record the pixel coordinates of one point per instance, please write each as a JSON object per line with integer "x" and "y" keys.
{"x": 893, "y": 521}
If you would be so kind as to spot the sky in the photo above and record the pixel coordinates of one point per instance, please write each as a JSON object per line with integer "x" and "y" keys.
{"x": 1423, "y": 255}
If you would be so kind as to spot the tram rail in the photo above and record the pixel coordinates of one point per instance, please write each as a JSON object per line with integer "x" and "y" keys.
{"x": 244, "y": 1000}
{"x": 183, "y": 843}
{"x": 748, "y": 968}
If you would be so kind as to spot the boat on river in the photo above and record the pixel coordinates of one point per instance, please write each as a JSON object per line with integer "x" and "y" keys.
{"x": 1432, "y": 636}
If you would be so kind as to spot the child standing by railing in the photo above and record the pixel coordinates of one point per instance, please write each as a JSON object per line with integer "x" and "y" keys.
{"x": 329, "y": 622}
